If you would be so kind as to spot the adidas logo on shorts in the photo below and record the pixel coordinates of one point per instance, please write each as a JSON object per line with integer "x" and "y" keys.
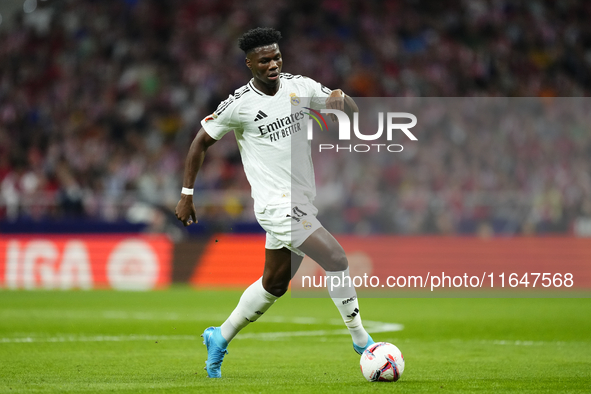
{"x": 260, "y": 115}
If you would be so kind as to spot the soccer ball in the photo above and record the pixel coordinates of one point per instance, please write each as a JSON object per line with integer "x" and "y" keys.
{"x": 382, "y": 362}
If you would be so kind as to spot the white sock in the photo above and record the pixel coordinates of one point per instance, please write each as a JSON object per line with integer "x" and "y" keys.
{"x": 344, "y": 296}
{"x": 254, "y": 302}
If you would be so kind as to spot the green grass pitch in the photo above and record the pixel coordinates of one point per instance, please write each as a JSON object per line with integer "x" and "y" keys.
{"x": 107, "y": 341}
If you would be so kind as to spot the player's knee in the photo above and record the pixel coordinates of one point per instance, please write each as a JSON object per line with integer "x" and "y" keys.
{"x": 338, "y": 261}
{"x": 276, "y": 287}
{"x": 277, "y": 290}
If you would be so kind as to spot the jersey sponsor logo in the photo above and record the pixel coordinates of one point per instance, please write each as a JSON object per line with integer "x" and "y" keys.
{"x": 260, "y": 115}
{"x": 281, "y": 122}
{"x": 282, "y": 127}
{"x": 295, "y": 100}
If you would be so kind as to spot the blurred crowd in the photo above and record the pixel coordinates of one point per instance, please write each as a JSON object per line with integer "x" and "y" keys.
{"x": 486, "y": 165}
{"x": 99, "y": 101}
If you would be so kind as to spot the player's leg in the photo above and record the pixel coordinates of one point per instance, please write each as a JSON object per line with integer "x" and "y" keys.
{"x": 254, "y": 302}
{"x": 263, "y": 293}
{"x": 280, "y": 267}
{"x": 323, "y": 248}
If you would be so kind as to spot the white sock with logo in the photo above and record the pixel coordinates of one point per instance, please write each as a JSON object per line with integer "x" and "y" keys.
{"x": 344, "y": 296}
{"x": 253, "y": 303}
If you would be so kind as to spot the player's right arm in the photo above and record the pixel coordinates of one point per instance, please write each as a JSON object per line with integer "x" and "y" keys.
{"x": 224, "y": 119}
{"x": 185, "y": 209}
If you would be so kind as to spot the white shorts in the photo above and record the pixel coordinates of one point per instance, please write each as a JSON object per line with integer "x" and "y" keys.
{"x": 288, "y": 225}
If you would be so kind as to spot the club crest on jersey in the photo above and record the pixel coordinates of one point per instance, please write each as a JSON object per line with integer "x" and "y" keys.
{"x": 210, "y": 117}
{"x": 295, "y": 100}
{"x": 307, "y": 225}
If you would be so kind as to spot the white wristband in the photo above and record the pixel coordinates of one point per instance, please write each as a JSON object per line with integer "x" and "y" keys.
{"x": 186, "y": 191}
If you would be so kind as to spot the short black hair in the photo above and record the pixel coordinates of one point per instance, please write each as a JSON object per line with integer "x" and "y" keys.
{"x": 258, "y": 37}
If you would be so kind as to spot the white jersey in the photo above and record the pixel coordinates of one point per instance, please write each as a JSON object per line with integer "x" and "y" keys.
{"x": 272, "y": 138}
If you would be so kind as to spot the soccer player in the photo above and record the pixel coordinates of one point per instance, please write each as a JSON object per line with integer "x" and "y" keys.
{"x": 283, "y": 189}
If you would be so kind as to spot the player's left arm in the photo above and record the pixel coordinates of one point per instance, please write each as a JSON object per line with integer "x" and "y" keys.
{"x": 339, "y": 100}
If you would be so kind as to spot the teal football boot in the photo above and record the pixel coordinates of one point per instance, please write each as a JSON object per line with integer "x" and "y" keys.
{"x": 216, "y": 350}
{"x": 360, "y": 349}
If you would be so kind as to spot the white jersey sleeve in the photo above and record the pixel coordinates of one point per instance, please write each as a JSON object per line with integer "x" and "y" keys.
{"x": 224, "y": 119}
{"x": 317, "y": 92}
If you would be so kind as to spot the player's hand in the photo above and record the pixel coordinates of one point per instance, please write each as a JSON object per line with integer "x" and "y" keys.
{"x": 336, "y": 100}
{"x": 185, "y": 210}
